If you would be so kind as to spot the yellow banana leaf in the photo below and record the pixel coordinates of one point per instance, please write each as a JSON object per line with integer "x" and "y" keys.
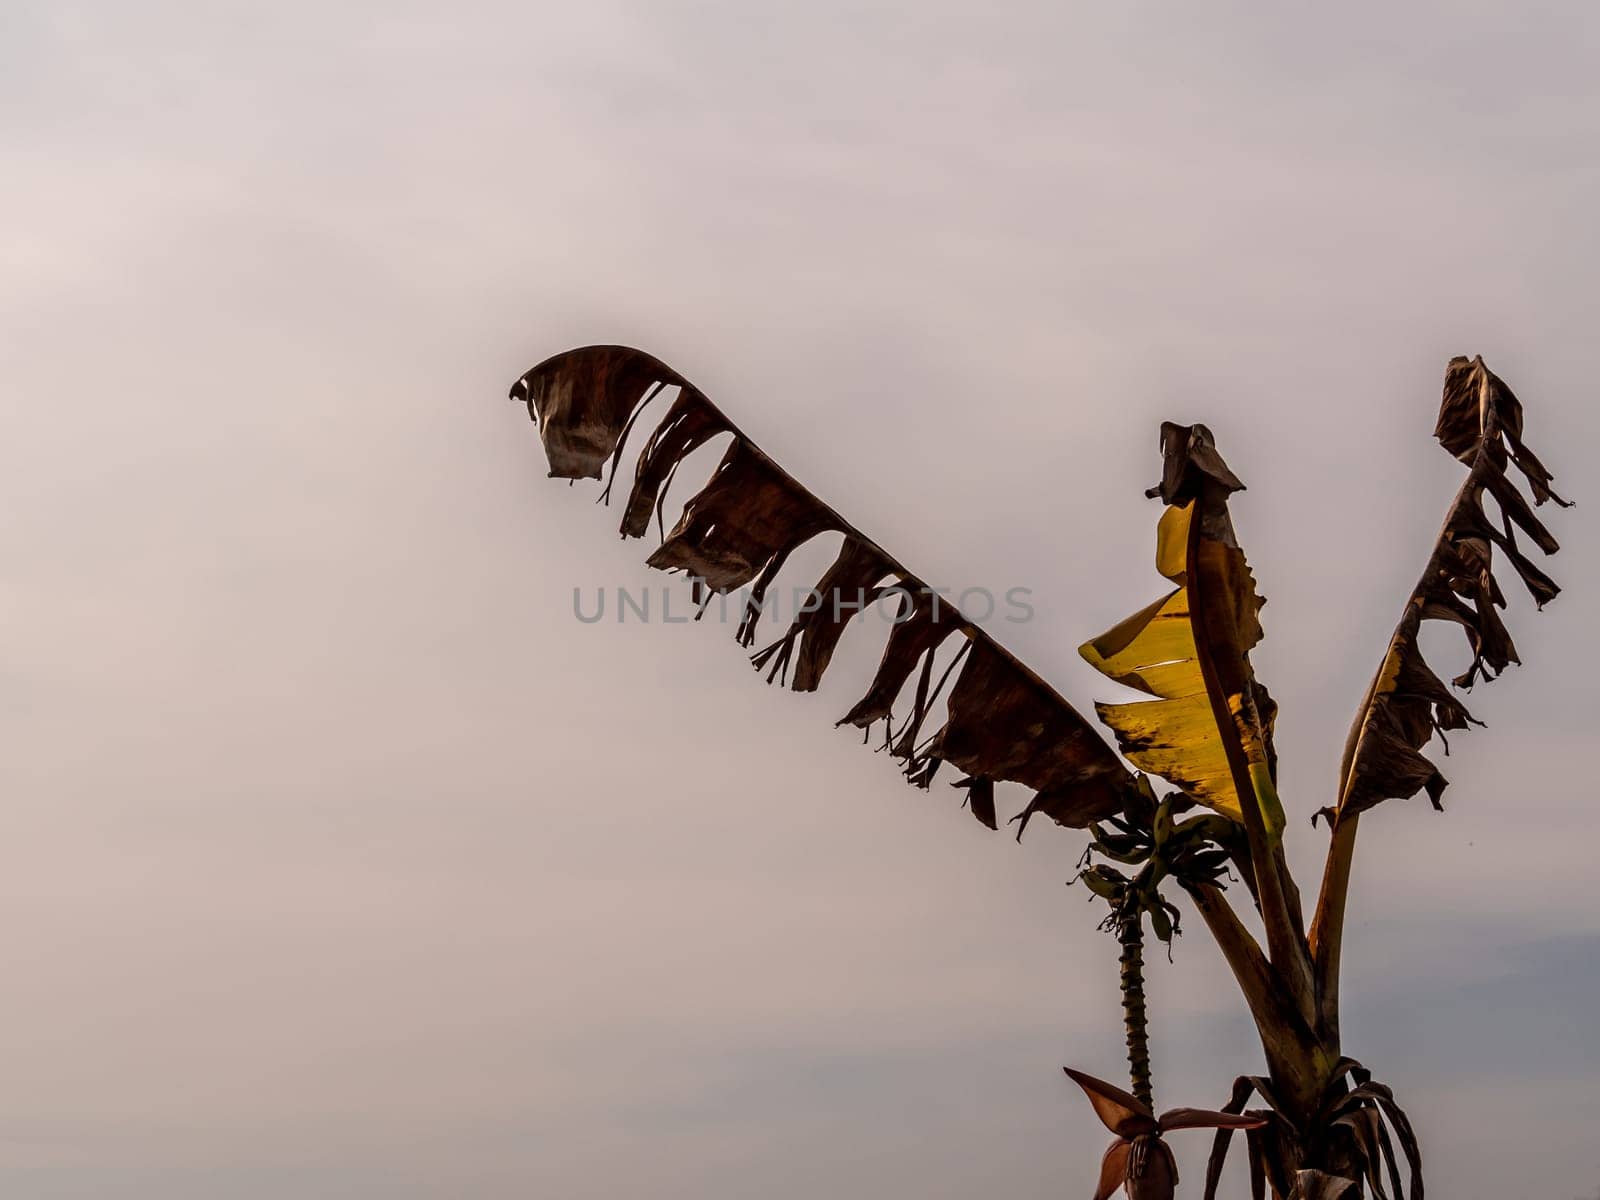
{"x": 1208, "y": 730}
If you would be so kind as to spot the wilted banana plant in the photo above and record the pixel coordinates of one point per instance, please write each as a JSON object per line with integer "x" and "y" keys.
{"x": 1323, "y": 1127}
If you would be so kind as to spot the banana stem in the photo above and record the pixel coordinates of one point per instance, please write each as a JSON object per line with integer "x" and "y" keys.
{"x": 1130, "y": 932}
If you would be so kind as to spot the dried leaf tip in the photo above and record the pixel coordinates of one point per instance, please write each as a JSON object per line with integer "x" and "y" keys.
{"x": 1478, "y": 411}
{"x": 1190, "y": 464}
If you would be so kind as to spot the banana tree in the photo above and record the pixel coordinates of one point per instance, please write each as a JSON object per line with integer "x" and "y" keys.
{"x": 1186, "y": 789}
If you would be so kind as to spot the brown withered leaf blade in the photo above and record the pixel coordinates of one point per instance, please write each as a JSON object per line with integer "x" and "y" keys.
{"x": 747, "y": 513}
{"x": 1480, "y": 423}
{"x": 1005, "y": 723}
{"x": 848, "y": 586}
{"x": 1001, "y": 722}
{"x": 582, "y": 402}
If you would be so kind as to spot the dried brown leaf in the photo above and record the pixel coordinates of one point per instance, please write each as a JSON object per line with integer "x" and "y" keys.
{"x": 1480, "y": 422}
{"x": 1002, "y": 722}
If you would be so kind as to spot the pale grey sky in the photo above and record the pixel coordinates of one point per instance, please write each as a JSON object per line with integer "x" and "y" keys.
{"x": 322, "y": 874}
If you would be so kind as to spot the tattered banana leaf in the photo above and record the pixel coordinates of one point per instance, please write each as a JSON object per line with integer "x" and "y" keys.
{"x": 1209, "y": 731}
{"x": 1480, "y": 422}
{"x": 1001, "y": 722}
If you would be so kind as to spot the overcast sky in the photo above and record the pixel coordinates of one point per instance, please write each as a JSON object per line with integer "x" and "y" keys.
{"x": 339, "y": 860}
